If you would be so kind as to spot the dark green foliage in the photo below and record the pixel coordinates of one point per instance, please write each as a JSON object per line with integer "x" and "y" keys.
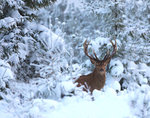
{"x": 35, "y": 4}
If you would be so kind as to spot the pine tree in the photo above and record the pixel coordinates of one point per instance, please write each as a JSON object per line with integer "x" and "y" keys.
{"x": 19, "y": 36}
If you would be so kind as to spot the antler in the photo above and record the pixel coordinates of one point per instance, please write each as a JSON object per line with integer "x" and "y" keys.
{"x": 92, "y": 58}
{"x": 108, "y": 57}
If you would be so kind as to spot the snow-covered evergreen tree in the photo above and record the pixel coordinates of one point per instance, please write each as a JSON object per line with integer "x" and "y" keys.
{"x": 25, "y": 45}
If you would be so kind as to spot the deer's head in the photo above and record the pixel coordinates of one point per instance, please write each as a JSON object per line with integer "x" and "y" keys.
{"x": 100, "y": 64}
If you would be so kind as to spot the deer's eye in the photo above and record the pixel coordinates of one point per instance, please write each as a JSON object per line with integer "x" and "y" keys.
{"x": 101, "y": 70}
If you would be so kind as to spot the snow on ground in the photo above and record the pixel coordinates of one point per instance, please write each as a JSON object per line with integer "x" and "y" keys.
{"x": 106, "y": 104}
{"x": 102, "y": 107}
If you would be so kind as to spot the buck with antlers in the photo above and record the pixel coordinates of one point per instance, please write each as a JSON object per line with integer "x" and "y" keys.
{"x": 96, "y": 79}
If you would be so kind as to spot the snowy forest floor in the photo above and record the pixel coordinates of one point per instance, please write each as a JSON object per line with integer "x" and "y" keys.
{"x": 105, "y": 104}
{"x": 102, "y": 104}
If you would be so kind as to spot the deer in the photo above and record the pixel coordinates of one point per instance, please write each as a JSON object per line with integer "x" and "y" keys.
{"x": 96, "y": 79}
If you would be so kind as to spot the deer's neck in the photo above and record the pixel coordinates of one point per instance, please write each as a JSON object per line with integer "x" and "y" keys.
{"x": 99, "y": 75}
{"x": 97, "y": 80}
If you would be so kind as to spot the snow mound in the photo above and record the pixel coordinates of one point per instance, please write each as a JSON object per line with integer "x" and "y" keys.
{"x": 116, "y": 68}
{"x": 5, "y": 73}
{"x": 132, "y": 66}
{"x": 105, "y": 105}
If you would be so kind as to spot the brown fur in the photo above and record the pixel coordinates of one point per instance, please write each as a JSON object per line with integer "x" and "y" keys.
{"x": 94, "y": 80}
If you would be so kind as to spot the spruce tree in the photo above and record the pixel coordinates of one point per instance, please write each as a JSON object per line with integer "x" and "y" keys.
{"x": 19, "y": 38}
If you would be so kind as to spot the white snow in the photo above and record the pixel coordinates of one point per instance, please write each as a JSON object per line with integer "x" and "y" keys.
{"x": 116, "y": 68}
{"x": 74, "y": 3}
{"x": 101, "y": 40}
{"x": 4, "y": 113}
{"x": 48, "y": 38}
{"x": 68, "y": 86}
{"x": 105, "y": 105}
{"x": 7, "y": 22}
{"x": 5, "y": 71}
{"x": 132, "y": 66}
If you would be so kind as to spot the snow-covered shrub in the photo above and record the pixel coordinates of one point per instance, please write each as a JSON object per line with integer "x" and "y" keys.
{"x": 134, "y": 76}
{"x": 116, "y": 68}
{"x": 6, "y": 76}
{"x": 48, "y": 60}
{"x": 139, "y": 101}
